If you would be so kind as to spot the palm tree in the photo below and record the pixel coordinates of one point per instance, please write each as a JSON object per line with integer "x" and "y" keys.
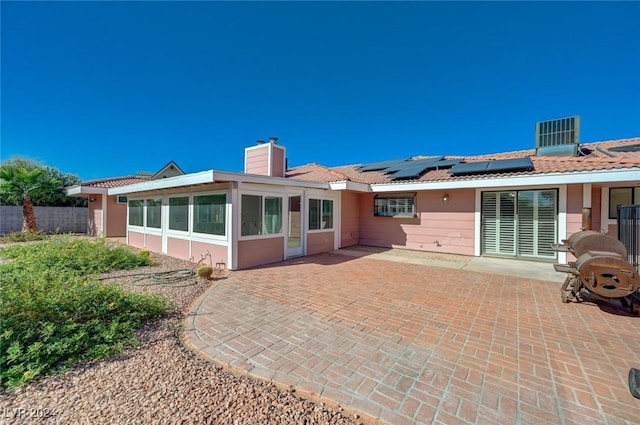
{"x": 19, "y": 184}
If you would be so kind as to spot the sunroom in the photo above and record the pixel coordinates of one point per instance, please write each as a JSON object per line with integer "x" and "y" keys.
{"x": 236, "y": 219}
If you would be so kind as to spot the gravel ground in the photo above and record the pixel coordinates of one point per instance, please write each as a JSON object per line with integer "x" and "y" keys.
{"x": 161, "y": 381}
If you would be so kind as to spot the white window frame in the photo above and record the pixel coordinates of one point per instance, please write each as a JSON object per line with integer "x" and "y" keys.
{"x": 263, "y": 196}
{"x": 199, "y": 236}
{"x": 144, "y": 214}
{"x": 153, "y": 230}
{"x": 322, "y": 199}
{"x": 176, "y": 232}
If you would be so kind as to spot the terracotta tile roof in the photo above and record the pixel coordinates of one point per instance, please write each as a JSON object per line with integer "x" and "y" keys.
{"x": 316, "y": 173}
{"x": 113, "y": 182}
{"x": 592, "y": 156}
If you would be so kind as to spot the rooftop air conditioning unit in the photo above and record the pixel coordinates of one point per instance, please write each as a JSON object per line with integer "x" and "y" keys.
{"x": 558, "y": 137}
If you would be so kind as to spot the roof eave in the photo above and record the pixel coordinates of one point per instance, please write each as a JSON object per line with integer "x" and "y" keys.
{"x": 212, "y": 176}
{"x": 349, "y": 185}
{"x": 228, "y": 176}
{"x": 85, "y": 190}
{"x": 170, "y": 182}
{"x": 582, "y": 177}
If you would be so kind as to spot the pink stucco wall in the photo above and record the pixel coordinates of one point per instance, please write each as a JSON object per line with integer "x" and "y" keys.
{"x": 116, "y": 218}
{"x": 349, "y": 219}
{"x": 596, "y": 207}
{"x": 277, "y": 162}
{"x": 319, "y": 242}
{"x": 574, "y": 210}
{"x": 260, "y": 251}
{"x": 154, "y": 243}
{"x": 444, "y": 227}
{"x": 439, "y": 227}
{"x": 218, "y": 253}
{"x": 257, "y": 160}
{"x": 381, "y": 231}
{"x": 178, "y": 248}
{"x": 136, "y": 239}
{"x": 95, "y": 215}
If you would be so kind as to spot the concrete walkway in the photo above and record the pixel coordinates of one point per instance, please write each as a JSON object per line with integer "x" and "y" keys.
{"x": 502, "y": 266}
{"x": 414, "y": 342}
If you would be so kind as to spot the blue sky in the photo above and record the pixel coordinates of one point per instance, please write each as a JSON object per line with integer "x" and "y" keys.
{"x": 108, "y": 89}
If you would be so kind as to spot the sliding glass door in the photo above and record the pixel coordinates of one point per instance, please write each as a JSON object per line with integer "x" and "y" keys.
{"x": 519, "y": 223}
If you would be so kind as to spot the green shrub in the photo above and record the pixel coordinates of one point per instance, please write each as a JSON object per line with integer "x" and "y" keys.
{"x": 205, "y": 271}
{"x": 77, "y": 256}
{"x": 53, "y": 313}
{"x": 23, "y": 237}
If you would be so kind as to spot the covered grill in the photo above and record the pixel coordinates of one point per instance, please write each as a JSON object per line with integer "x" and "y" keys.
{"x": 600, "y": 268}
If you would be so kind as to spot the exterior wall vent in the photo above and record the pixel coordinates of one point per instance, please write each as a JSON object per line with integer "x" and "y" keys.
{"x": 558, "y": 137}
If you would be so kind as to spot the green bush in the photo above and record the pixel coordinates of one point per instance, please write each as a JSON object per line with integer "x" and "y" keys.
{"x": 205, "y": 271}
{"x": 24, "y": 237}
{"x": 53, "y": 313}
{"x": 76, "y": 256}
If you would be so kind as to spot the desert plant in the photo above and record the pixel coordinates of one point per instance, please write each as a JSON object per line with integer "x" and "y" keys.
{"x": 24, "y": 237}
{"x": 53, "y": 313}
{"x": 205, "y": 271}
{"x": 145, "y": 253}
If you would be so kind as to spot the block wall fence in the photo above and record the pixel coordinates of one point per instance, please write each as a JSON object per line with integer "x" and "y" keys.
{"x": 48, "y": 219}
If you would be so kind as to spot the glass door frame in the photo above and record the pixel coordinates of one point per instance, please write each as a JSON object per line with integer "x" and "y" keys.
{"x": 517, "y": 223}
{"x": 299, "y": 249}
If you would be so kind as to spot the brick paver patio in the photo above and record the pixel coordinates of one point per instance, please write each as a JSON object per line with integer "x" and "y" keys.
{"x": 413, "y": 344}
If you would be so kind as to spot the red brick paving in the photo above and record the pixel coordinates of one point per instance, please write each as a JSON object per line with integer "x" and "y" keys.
{"x": 414, "y": 344}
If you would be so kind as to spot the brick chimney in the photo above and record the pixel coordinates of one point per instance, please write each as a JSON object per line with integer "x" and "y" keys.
{"x": 267, "y": 158}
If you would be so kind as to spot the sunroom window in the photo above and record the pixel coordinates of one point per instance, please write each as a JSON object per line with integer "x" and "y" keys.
{"x": 209, "y": 214}
{"x": 261, "y": 215}
{"x": 272, "y": 215}
{"x": 320, "y": 214}
{"x": 395, "y": 205}
{"x": 179, "y": 213}
{"x": 154, "y": 213}
{"x": 136, "y": 211}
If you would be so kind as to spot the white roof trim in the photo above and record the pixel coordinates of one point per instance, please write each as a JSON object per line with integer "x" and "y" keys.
{"x": 601, "y": 176}
{"x": 348, "y": 185}
{"x": 212, "y": 176}
{"x": 84, "y": 190}
{"x": 184, "y": 180}
{"x": 256, "y": 178}
{"x": 260, "y": 145}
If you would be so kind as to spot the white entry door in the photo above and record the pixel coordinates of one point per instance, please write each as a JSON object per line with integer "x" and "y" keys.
{"x": 295, "y": 233}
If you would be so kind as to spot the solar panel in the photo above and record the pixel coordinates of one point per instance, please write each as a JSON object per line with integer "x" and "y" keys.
{"x": 409, "y": 172}
{"x": 444, "y": 164}
{"x": 513, "y": 164}
{"x": 469, "y": 168}
{"x": 426, "y": 162}
{"x": 628, "y": 148}
{"x": 380, "y": 165}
